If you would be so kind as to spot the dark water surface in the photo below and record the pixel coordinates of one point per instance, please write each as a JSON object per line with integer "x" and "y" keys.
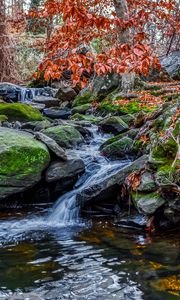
{"x": 97, "y": 261}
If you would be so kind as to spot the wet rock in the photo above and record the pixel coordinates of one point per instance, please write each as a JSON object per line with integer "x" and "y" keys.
{"x": 38, "y": 106}
{"x": 52, "y": 145}
{"x": 147, "y": 183}
{"x": 148, "y": 203}
{"x": 10, "y": 92}
{"x": 57, "y": 113}
{"x": 22, "y": 160}
{"x": 66, "y": 136}
{"x": 64, "y": 170}
{"x": 47, "y": 101}
{"x": 88, "y": 118}
{"x": 108, "y": 185}
{"x": 136, "y": 221}
{"x": 66, "y": 94}
{"x": 113, "y": 125}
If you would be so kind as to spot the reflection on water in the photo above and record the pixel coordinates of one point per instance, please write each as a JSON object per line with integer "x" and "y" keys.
{"x": 94, "y": 262}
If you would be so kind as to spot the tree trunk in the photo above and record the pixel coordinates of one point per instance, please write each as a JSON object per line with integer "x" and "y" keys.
{"x": 7, "y": 65}
{"x": 128, "y": 78}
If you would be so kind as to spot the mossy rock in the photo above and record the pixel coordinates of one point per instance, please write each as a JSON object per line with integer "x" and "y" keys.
{"x": 3, "y": 118}
{"x": 128, "y": 119}
{"x": 147, "y": 203}
{"x": 88, "y": 118}
{"x": 65, "y": 136}
{"x": 164, "y": 153}
{"x": 85, "y": 98}
{"x": 81, "y": 109}
{"x": 167, "y": 175}
{"x": 130, "y": 133}
{"x": 20, "y": 112}
{"x": 113, "y": 124}
{"x": 22, "y": 160}
{"x": 120, "y": 149}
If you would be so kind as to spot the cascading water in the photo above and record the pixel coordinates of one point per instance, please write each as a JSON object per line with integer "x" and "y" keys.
{"x": 66, "y": 210}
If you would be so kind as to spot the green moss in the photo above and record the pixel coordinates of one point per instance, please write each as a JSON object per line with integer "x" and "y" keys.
{"x": 164, "y": 153}
{"x": 156, "y": 94}
{"x": 66, "y": 135}
{"x": 130, "y": 133}
{"x": 120, "y": 148}
{"x": 88, "y": 118}
{"x": 21, "y": 157}
{"x": 172, "y": 96}
{"x": 81, "y": 109}
{"x": 20, "y": 112}
{"x": 87, "y": 97}
{"x": 3, "y": 118}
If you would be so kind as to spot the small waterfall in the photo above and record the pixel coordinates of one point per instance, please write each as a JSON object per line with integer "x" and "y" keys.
{"x": 66, "y": 210}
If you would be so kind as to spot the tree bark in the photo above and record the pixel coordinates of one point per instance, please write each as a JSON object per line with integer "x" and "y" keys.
{"x": 8, "y": 70}
{"x": 128, "y": 78}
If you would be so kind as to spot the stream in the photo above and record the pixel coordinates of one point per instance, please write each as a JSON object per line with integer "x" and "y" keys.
{"x": 55, "y": 253}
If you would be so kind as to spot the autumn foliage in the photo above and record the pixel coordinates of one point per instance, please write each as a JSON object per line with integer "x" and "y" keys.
{"x": 68, "y": 47}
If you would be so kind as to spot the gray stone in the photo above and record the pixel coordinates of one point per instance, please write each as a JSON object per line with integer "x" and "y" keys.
{"x": 47, "y": 101}
{"x": 149, "y": 203}
{"x": 63, "y": 170}
{"x": 113, "y": 125}
{"x": 147, "y": 183}
{"x": 171, "y": 63}
{"x": 57, "y": 113}
{"x": 106, "y": 183}
{"x": 52, "y": 145}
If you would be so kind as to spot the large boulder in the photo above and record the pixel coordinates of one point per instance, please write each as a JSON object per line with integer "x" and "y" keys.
{"x": 66, "y": 136}
{"x": 113, "y": 125}
{"x": 171, "y": 63}
{"x": 22, "y": 160}
{"x": 108, "y": 184}
{"x": 20, "y": 112}
{"x": 148, "y": 203}
{"x": 65, "y": 170}
{"x": 10, "y": 92}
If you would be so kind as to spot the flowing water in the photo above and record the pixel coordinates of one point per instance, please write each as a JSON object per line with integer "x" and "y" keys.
{"x": 56, "y": 254}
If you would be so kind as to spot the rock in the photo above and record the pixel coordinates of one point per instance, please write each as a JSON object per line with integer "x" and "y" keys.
{"x": 66, "y": 94}
{"x": 130, "y": 133}
{"x": 47, "y": 101}
{"x": 65, "y": 104}
{"x": 137, "y": 221}
{"x": 84, "y": 97}
{"x": 109, "y": 184}
{"x": 65, "y": 135}
{"x": 52, "y": 145}
{"x": 147, "y": 183}
{"x": 57, "y": 113}
{"x": 36, "y": 125}
{"x": 88, "y": 118}
{"x": 84, "y": 131}
{"x": 10, "y": 92}
{"x": 81, "y": 109}
{"x": 20, "y": 112}
{"x": 38, "y": 106}
{"x": 22, "y": 160}
{"x": 102, "y": 86}
{"x": 148, "y": 203}
{"x": 171, "y": 63}
{"x": 139, "y": 119}
{"x": 120, "y": 149}
{"x": 113, "y": 125}
{"x": 63, "y": 170}
{"x": 3, "y": 118}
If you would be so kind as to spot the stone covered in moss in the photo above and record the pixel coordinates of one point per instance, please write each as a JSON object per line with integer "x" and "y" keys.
{"x": 130, "y": 133}
{"x": 147, "y": 203}
{"x": 120, "y": 149}
{"x": 22, "y": 160}
{"x": 113, "y": 125}
{"x": 65, "y": 135}
{"x": 3, "y": 118}
{"x": 20, "y": 112}
{"x": 164, "y": 152}
{"x": 81, "y": 109}
{"x": 85, "y": 98}
{"x": 147, "y": 183}
{"x": 88, "y": 118}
